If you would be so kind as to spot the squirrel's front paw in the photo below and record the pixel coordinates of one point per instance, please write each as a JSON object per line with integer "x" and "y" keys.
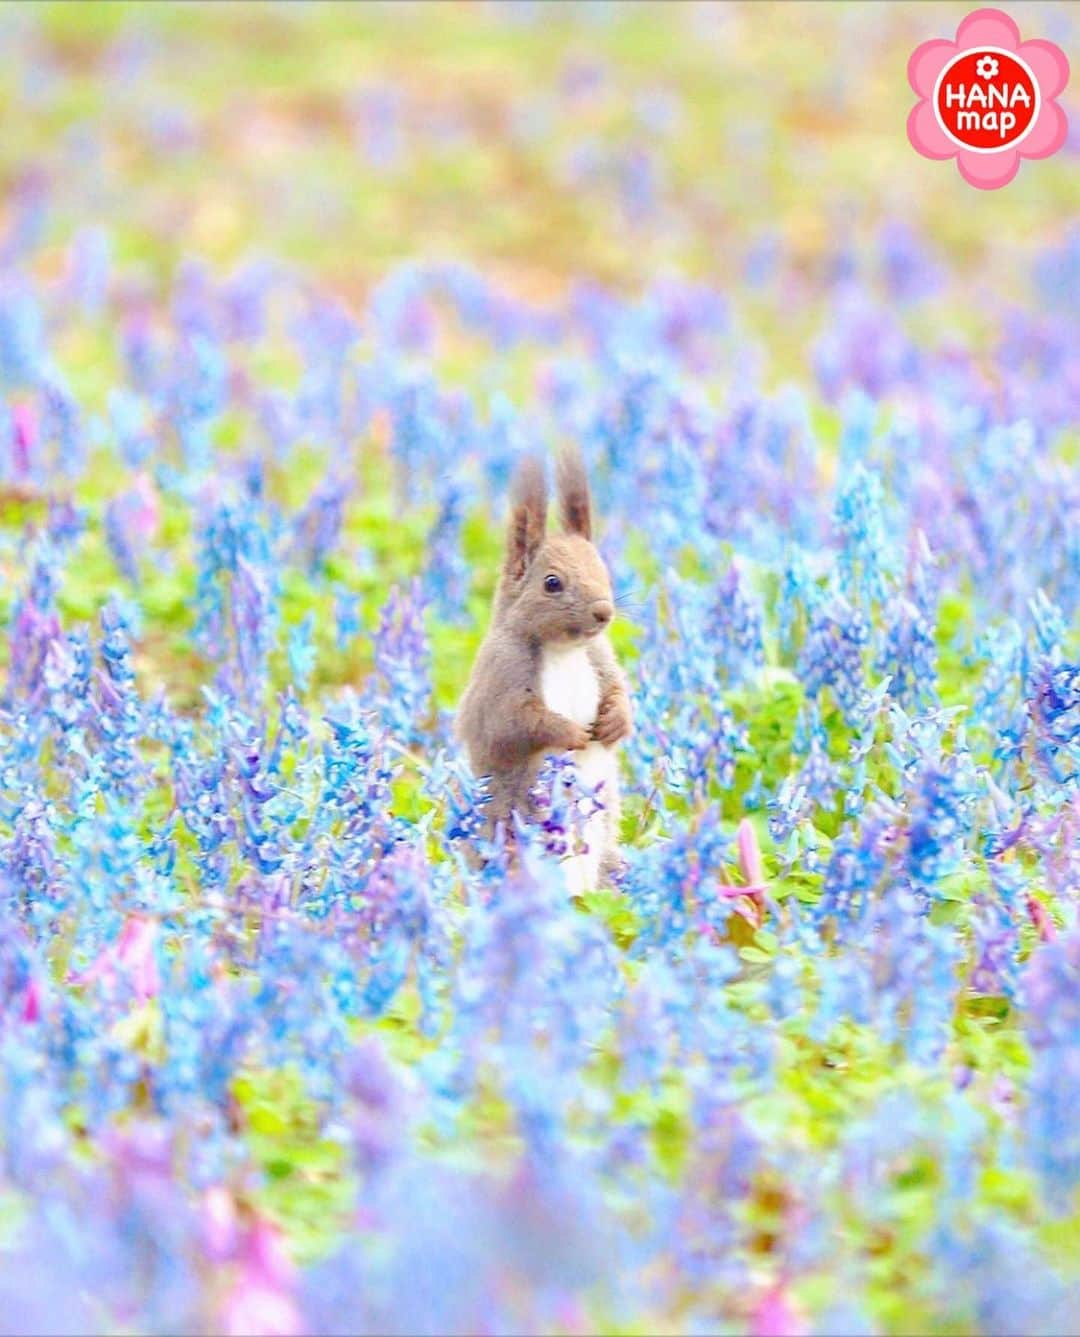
{"x": 612, "y": 720}
{"x": 575, "y": 737}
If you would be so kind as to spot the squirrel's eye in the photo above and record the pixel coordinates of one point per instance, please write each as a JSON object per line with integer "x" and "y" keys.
{"x": 552, "y": 584}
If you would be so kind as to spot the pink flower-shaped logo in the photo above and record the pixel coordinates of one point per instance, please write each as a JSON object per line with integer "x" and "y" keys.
{"x": 987, "y": 99}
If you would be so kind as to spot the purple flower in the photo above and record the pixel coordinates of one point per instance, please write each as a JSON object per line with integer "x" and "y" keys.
{"x": 1051, "y": 993}
{"x": 832, "y": 655}
{"x": 400, "y": 686}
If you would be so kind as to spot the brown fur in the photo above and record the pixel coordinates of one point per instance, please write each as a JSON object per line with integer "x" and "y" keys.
{"x": 502, "y": 720}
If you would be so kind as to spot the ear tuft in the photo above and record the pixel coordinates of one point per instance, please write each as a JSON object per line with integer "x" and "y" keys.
{"x": 574, "y": 500}
{"x": 528, "y": 516}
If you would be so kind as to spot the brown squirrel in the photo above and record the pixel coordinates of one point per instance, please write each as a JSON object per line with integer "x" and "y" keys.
{"x": 545, "y": 678}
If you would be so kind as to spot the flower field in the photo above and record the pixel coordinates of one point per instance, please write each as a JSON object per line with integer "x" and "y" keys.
{"x": 286, "y": 292}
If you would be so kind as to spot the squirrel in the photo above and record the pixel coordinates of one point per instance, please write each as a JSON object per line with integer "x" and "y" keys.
{"x": 545, "y": 679}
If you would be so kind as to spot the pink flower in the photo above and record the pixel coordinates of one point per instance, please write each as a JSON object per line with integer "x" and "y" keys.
{"x": 24, "y": 433}
{"x": 144, "y": 507}
{"x": 750, "y": 855}
{"x": 137, "y": 512}
{"x": 219, "y": 1222}
{"x": 260, "y": 1302}
{"x": 1040, "y": 917}
{"x": 989, "y": 167}
{"x": 753, "y": 870}
{"x": 32, "y": 1000}
{"x": 131, "y": 959}
{"x": 775, "y": 1315}
{"x": 255, "y": 1310}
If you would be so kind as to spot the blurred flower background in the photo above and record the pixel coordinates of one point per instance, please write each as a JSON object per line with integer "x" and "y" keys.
{"x": 285, "y": 293}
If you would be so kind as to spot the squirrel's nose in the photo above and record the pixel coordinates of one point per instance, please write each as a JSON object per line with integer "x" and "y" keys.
{"x": 602, "y": 612}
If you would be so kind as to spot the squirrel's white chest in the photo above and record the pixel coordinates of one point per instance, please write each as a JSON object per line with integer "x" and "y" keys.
{"x": 569, "y": 684}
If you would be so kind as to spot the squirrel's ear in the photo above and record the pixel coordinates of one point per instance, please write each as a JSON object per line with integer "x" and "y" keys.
{"x": 574, "y": 501}
{"x": 528, "y": 517}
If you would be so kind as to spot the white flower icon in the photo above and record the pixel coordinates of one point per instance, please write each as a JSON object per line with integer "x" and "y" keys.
{"x": 986, "y": 67}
